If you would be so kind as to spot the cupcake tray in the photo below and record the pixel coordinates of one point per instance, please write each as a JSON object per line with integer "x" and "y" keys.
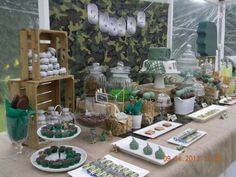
{"x": 59, "y": 139}
{"x": 123, "y": 145}
{"x": 54, "y": 157}
{"x": 80, "y": 172}
{"x": 156, "y": 132}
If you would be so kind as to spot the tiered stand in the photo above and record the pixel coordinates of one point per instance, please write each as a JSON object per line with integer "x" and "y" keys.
{"x": 47, "y": 91}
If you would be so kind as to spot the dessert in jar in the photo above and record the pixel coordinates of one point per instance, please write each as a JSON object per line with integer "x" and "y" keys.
{"x": 119, "y": 82}
{"x": 94, "y": 80}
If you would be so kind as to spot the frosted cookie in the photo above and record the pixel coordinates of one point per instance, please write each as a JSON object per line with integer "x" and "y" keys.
{"x": 159, "y": 128}
{"x": 167, "y": 124}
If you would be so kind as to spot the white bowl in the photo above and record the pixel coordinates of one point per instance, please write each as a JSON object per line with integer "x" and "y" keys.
{"x": 56, "y": 66}
{"x": 43, "y": 67}
{"x": 43, "y": 73}
{"x": 52, "y": 51}
{"x": 44, "y": 60}
{"x": 49, "y": 55}
{"x": 43, "y": 55}
{"x": 50, "y": 66}
{"x": 53, "y": 60}
{"x": 55, "y": 72}
{"x": 50, "y": 73}
{"x": 63, "y": 70}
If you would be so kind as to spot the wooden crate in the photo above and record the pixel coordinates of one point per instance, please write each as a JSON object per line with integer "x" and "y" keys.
{"x": 42, "y": 94}
{"x": 39, "y": 41}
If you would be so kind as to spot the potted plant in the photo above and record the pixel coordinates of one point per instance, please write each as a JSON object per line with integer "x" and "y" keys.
{"x": 184, "y": 100}
{"x": 134, "y": 109}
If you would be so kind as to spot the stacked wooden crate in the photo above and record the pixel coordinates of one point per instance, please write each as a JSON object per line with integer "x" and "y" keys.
{"x": 46, "y": 91}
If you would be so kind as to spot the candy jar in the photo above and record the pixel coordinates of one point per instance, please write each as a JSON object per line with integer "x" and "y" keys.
{"x": 41, "y": 118}
{"x": 94, "y": 80}
{"x": 119, "y": 83}
{"x": 67, "y": 116}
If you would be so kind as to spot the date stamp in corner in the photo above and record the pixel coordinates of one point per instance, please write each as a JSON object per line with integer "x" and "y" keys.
{"x": 211, "y": 158}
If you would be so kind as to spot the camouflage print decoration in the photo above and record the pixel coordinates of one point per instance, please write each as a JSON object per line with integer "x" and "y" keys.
{"x": 87, "y": 44}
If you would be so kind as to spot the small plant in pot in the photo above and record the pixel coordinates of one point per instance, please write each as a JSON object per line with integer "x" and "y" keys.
{"x": 184, "y": 100}
{"x": 134, "y": 109}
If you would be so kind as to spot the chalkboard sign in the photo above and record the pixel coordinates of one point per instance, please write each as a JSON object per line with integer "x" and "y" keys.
{"x": 101, "y": 97}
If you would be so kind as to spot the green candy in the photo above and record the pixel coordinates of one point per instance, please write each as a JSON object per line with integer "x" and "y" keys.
{"x": 159, "y": 154}
{"x": 134, "y": 144}
{"x": 147, "y": 96}
{"x": 147, "y": 150}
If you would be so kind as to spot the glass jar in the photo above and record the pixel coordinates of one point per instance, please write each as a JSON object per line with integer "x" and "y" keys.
{"x": 41, "y": 118}
{"x": 119, "y": 82}
{"x": 94, "y": 80}
{"x": 67, "y": 116}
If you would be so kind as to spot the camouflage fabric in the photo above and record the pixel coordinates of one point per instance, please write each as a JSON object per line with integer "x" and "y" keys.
{"x": 87, "y": 44}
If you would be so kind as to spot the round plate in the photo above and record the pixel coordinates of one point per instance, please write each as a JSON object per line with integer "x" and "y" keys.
{"x": 47, "y": 169}
{"x": 92, "y": 11}
{"x": 59, "y": 139}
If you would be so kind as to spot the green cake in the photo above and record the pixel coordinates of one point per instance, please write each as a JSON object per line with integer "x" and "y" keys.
{"x": 160, "y": 153}
{"x": 147, "y": 150}
{"x": 134, "y": 144}
{"x": 161, "y": 53}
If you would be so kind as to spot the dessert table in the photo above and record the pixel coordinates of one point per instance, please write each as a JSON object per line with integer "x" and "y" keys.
{"x": 208, "y": 157}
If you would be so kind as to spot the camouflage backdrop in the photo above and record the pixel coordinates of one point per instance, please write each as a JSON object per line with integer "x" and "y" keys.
{"x": 87, "y": 44}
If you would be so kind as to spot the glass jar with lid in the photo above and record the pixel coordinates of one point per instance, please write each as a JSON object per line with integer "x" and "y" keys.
{"x": 94, "y": 80}
{"x": 119, "y": 82}
{"x": 67, "y": 116}
{"x": 41, "y": 118}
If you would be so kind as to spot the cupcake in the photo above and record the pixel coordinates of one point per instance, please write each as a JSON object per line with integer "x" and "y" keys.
{"x": 147, "y": 150}
{"x": 160, "y": 153}
{"x": 134, "y": 144}
{"x": 54, "y": 149}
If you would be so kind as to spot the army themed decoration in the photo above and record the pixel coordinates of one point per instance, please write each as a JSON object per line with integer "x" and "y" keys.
{"x": 112, "y": 25}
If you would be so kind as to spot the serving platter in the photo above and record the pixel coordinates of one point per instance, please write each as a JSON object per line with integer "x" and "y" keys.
{"x": 123, "y": 145}
{"x": 207, "y": 113}
{"x": 59, "y": 139}
{"x": 159, "y": 125}
{"x": 197, "y": 135}
{"x": 228, "y": 101}
{"x": 54, "y": 157}
{"x": 80, "y": 172}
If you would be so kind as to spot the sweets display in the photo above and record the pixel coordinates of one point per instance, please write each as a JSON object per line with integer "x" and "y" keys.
{"x": 208, "y": 113}
{"x": 147, "y": 150}
{"x": 66, "y": 157}
{"x": 228, "y": 101}
{"x": 107, "y": 168}
{"x": 58, "y": 130}
{"x": 159, "y": 154}
{"x": 134, "y": 144}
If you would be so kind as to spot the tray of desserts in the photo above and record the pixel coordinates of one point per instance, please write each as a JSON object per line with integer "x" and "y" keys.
{"x": 187, "y": 137}
{"x": 58, "y": 159}
{"x": 148, "y": 151}
{"x": 157, "y": 129}
{"x": 228, "y": 101}
{"x": 109, "y": 166}
{"x": 207, "y": 113}
{"x": 58, "y": 131}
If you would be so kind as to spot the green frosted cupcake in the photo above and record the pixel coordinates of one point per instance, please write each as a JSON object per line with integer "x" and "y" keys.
{"x": 160, "y": 153}
{"x": 134, "y": 144}
{"x": 147, "y": 150}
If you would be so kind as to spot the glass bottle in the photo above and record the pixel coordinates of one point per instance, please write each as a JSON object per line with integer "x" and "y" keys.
{"x": 94, "y": 80}
{"x": 41, "y": 118}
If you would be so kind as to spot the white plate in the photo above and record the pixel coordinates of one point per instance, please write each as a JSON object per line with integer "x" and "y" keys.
{"x": 228, "y": 103}
{"x": 157, "y": 133}
{"x": 81, "y": 173}
{"x": 195, "y": 115}
{"x": 78, "y": 150}
{"x": 59, "y": 139}
{"x": 173, "y": 141}
{"x": 123, "y": 145}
